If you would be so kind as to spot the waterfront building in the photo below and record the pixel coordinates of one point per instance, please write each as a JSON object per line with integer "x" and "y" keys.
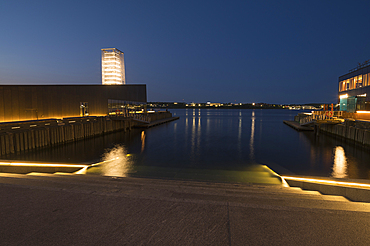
{"x": 113, "y": 67}
{"x": 354, "y": 90}
{"x": 37, "y": 102}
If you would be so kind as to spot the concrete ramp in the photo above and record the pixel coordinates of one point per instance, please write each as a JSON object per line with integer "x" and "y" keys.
{"x": 255, "y": 174}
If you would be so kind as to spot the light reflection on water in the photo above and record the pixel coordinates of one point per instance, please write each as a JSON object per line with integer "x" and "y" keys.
{"x": 142, "y": 141}
{"x": 117, "y": 162}
{"x": 340, "y": 163}
{"x": 251, "y": 143}
{"x": 240, "y": 134}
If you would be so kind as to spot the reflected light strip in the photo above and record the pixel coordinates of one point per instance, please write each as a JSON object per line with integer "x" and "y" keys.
{"x": 363, "y": 112}
{"x": 251, "y": 142}
{"x": 81, "y": 171}
{"x": 340, "y": 163}
{"x": 322, "y": 181}
{"x": 102, "y": 162}
{"x": 142, "y": 141}
{"x": 84, "y": 169}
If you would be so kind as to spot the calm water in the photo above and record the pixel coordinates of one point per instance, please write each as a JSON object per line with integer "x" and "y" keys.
{"x": 223, "y": 140}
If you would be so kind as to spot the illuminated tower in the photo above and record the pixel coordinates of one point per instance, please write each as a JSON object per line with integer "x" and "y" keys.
{"x": 113, "y": 67}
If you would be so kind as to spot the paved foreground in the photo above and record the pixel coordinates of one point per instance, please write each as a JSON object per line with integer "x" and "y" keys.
{"x": 90, "y": 210}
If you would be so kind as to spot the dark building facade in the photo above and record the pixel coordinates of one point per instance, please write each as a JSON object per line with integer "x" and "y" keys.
{"x": 354, "y": 89}
{"x": 36, "y": 102}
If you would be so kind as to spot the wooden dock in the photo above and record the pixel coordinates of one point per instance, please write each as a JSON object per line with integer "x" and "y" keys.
{"x": 297, "y": 126}
{"x": 156, "y": 122}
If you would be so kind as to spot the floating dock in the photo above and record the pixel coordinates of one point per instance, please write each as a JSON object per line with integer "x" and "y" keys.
{"x": 297, "y": 126}
{"x": 156, "y": 122}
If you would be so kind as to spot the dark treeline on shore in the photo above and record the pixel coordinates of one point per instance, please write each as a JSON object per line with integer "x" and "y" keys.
{"x": 215, "y": 105}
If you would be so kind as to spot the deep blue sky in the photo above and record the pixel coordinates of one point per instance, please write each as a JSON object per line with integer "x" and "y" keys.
{"x": 220, "y": 51}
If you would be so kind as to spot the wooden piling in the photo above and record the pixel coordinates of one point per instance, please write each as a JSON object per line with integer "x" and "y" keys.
{"x": 359, "y": 135}
{"x": 352, "y": 133}
{"x": 366, "y": 139}
{"x": 17, "y": 143}
{"x": 11, "y": 143}
{"x": 25, "y": 140}
{"x": 21, "y": 140}
{"x": 3, "y": 144}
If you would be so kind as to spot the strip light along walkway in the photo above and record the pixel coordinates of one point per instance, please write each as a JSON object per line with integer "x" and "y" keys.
{"x": 329, "y": 182}
{"x": 84, "y": 169}
{"x": 31, "y": 164}
{"x": 40, "y": 164}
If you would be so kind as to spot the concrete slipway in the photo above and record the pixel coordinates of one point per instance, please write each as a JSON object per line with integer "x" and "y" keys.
{"x": 66, "y": 209}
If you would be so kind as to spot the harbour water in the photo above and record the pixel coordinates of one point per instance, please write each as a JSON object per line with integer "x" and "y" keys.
{"x": 217, "y": 139}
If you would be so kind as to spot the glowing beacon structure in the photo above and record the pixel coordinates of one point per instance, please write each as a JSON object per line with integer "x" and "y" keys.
{"x": 113, "y": 67}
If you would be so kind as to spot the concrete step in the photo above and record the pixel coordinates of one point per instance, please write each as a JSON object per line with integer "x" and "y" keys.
{"x": 130, "y": 181}
{"x": 354, "y": 190}
{"x": 185, "y": 186}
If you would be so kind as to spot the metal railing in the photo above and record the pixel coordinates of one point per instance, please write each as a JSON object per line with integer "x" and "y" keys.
{"x": 319, "y": 115}
{"x": 141, "y": 117}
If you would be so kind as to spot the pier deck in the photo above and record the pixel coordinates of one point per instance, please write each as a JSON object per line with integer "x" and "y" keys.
{"x": 297, "y": 126}
{"x": 155, "y": 123}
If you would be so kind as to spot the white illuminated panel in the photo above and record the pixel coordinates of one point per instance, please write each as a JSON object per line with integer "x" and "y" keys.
{"x": 113, "y": 67}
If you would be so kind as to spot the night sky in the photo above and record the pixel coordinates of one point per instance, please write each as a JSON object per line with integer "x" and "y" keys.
{"x": 191, "y": 51}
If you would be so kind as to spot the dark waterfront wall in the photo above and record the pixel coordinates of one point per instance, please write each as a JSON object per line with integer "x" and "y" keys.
{"x": 28, "y": 135}
{"x": 32, "y": 102}
{"x": 54, "y": 133}
{"x": 354, "y": 131}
